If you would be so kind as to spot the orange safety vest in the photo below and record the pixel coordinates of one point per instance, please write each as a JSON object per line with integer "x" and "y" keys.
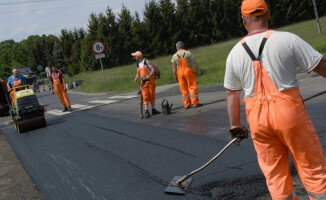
{"x": 143, "y": 71}
{"x": 56, "y": 81}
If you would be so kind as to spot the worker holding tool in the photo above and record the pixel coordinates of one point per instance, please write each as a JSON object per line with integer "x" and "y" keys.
{"x": 15, "y": 80}
{"x": 263, "y": 65}
{"x": 57, "y": 79}
{"x": 145, "y": 71}
{"x": 182, "y": 63}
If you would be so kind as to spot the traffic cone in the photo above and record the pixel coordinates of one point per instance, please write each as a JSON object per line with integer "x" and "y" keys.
{"x": 43, "y": 106}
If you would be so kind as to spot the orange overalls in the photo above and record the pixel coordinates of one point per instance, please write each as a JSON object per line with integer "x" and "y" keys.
{"x": 280, "y": 125}
{"x": 147, "y": 89}
{"x": 16, "y": 84}
{"x": 60, "y": 91}
{"x": 187, "y": 82}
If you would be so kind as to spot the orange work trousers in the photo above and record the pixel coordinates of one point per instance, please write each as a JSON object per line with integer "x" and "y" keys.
{"x": 63, "y": 95}
{"x": 280, "y": 125}
{"x": 188, "y": 86}
{"x": 148, "y": 91}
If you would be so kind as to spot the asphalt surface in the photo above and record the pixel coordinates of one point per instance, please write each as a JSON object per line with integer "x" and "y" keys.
{"x": 102, "y": 150}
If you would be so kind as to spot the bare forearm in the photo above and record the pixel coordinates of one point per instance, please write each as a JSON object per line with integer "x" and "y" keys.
{"x": 233, "y": 105}
{"x": 321, "y": 68}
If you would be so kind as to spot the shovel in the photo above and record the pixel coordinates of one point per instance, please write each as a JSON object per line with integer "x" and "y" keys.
{"x": 180, "y": 184}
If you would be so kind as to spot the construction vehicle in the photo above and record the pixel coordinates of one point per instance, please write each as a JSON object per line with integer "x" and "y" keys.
{"x": 26, "y": 112}
{"x": 4, "y": 99}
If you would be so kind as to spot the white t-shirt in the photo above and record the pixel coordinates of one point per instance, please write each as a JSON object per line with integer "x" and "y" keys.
{"x": 282, "y": 53}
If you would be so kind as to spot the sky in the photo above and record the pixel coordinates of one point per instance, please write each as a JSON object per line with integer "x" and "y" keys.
{"x": 21, "y": 18}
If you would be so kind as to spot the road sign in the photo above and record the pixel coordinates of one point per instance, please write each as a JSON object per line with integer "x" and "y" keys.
{"x": 98, "y": 47}
{"x": 99, "y": 56}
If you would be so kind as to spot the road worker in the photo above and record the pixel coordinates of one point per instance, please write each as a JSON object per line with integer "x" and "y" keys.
{"x": 15, "y": 80}
{"x": 182, "y": 63}
{"x": 57, "y": 79}
{"x": 145, "y": 71}
{"x": 263, "y": 65}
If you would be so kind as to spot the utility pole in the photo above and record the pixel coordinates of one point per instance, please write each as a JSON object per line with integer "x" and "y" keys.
{"x": 316, "y": 14}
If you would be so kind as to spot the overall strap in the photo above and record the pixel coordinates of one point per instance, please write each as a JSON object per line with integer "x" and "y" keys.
{"x": 147, "y": 67}
{"x": 261, "y": 48}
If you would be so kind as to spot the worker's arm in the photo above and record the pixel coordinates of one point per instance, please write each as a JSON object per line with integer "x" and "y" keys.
{"x": 195, "y": 64}
{"x": 8, "y": 86}
{"x": 136, "y": 77}
{"x": 174, "y": 69}
{"x": 149, "y": 64}
{"x": 64, "y": 83}
{"x": 233, "y": 105}
{"x": 321, "y": 67}
{"x": 51, "y": 85}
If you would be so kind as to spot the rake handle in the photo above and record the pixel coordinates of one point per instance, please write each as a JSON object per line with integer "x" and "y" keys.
{"x": 181, "y": 180}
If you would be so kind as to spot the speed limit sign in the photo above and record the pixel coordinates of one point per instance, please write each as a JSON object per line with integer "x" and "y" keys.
{"x": 98, "y": 47}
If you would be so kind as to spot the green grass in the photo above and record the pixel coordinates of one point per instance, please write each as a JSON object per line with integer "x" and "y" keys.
{"x": 211, "y": 60}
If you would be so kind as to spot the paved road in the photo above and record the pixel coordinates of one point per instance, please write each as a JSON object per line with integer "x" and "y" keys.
{"x": 102, "y": 150}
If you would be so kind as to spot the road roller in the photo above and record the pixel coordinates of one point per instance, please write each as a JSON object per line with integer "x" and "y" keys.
{"x": 26, "y": 112}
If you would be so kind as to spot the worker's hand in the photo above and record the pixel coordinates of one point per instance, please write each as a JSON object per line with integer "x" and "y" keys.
{"x": 52, "y": 92}
{"x": 198, "y": 73}
{"x": 240, "y": 133}
{"x": 144, "y": 79}
{"x": 65, "y": 88}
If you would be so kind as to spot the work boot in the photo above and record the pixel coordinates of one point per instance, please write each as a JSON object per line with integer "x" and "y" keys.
{"x": 196, "y": 106}
{"x": 147, "y": 115}
{"x": 69, "y": 108}
{"x": 187, "y": 107}
{"x": 65, "y": 109}
{"x": 154, "y": 111}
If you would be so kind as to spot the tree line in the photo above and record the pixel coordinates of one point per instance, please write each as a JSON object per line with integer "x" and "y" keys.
{"x": 164, "y": 22}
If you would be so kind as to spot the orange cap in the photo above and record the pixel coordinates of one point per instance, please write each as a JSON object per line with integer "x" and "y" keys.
{"x": 253, "y": 8}
{"x": 137, "y": 53}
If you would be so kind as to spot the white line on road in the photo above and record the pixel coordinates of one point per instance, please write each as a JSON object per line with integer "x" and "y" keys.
{"x": 103, "y": 101}
{"x": 123, "y": 97}
{"x": 76, "y": 106}
{"x": 56, "y": 112}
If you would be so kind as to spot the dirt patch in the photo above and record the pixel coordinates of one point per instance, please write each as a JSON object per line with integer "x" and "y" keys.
{"x": 15, "y": 183}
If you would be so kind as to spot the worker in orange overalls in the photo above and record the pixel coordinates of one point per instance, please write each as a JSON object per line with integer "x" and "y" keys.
{"x": 145, "y": 71}
{"x": 57, "y": 79}
{"x": 15, "y": 80}
{"x": 182, "y": 63}
{"x": 263, "y": 65}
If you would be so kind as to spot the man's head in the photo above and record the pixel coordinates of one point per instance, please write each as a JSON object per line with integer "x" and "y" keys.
{"x": 255, "y": 14}
{"x": 138, "y": 56}
{"x": 54, "y": 69}
{"x": 180, "y": 45}
{"x": 15, "y": 72}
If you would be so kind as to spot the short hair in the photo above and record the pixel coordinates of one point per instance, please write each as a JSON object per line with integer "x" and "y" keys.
{"x": 180, "y": 44}
{"x": 256, "y": 18}
{"x": 14, "y": 70}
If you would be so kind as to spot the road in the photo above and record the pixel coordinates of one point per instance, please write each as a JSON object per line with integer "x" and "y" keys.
{"x": 102, "y": 150}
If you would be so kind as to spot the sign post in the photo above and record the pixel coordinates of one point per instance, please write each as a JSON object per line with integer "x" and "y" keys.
{"x": 98, "y": 48}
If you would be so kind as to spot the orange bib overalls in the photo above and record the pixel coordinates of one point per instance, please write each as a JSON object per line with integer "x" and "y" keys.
{"x": 280, "y": 125}
{"x": 148, "y": 89}
{"x": 187, "y": 82}
{"x": 60, "y": 90}
{"x": 16, "y": 84}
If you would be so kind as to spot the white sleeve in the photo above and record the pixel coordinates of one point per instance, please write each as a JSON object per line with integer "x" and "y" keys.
{"x": 306, "y": 57}
{"x": 231, "y": 81}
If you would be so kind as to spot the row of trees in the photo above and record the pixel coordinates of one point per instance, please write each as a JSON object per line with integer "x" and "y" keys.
{"x": 196, "y": 22}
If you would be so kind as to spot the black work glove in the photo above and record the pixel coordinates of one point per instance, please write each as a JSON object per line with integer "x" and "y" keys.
{"x": 240, "y": 133}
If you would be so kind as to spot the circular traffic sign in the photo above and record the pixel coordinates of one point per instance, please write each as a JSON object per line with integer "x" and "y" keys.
{"x": 39, "y": 67}
{"x": 98, "y": 47}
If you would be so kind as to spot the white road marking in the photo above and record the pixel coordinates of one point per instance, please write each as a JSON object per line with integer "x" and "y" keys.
{"x": 56, "y": 112}
{"x": 123, "y": 97}
{"x": 103, "y": 101}
{"x": 76, "y": 106}
{"x": 87, "y": 107}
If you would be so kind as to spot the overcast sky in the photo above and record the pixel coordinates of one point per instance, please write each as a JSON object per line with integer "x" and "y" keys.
{"x": 21, "y": 18}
